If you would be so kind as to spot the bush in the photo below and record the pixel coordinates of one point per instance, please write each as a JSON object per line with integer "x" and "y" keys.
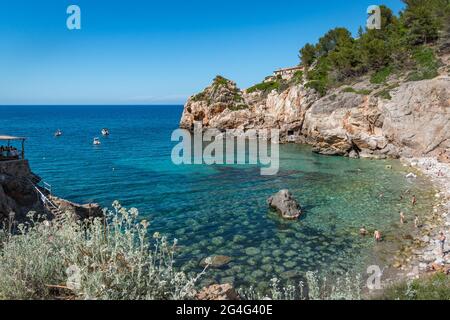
{"x": 435, "y": 287}
{"x": 268, "y": 86}
{"x": 381, "y": 75}
{"x": 297, "y": 77}
{"x": 426, "y": 65}
{"x": 101, "y": 259}
{"x": 352, "y": 90}
{"x": 384, "y": 94}
{"x": 315, "y": 287}
{"x": 318, "y": 86}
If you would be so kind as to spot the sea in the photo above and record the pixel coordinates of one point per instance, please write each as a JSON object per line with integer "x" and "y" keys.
{"x": 222, "y": 209}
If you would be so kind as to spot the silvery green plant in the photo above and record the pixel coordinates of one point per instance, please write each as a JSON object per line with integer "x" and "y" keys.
{"x": 315, "y": 287}
{"x": 110, "y": 258}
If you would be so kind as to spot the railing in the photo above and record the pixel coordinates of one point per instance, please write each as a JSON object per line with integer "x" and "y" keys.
{"x": 47, "y": 187}
{"x": 43, "y": 197}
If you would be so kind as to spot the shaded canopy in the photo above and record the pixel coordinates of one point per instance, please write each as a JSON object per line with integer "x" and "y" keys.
{"x": 8, "y": 138}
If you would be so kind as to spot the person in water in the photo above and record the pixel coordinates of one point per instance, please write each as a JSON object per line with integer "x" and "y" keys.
{"x": 402, "y": 217}
{"x": 377, "y": 235}
{"x": 414, "y": 200}
{"x": 417, "y": 221}
{"x": 363, "y": 231}
{"x": 442, "y": 239}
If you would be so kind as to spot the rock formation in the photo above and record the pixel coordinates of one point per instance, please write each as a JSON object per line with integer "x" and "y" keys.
{"x": 215, "y": 261}
{"x": 285, "y": 204}
{"x": 20, "y": 194}
{"x": 218, "y": 292}
{"x": 398, "y": 118}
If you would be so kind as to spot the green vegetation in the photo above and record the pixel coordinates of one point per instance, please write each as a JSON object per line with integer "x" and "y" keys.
{"x": 402, "y": 42}
{"x": 426, "y": 65}
{"x": 297, "y": 77}
{"x": 199, "y": 97}
{"x": 385, "y": 94}
{"x": 352, "y": 90}
{"x": 220, "y": 81}
{"x": 239, "y": 107}
{"x": 381, "y": 75}
{"x": 315, "y": 287}
{"x": 435, "y": 287}
{"x": 265, "y": 86}
{"x": 111, "y": 259}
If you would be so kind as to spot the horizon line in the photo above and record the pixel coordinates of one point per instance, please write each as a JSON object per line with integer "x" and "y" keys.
{"x": 91, "y": 105}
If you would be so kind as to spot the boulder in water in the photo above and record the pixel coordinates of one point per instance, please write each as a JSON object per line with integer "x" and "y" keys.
{"x": 285, "y": 204}
{"x": 215, "y": 261}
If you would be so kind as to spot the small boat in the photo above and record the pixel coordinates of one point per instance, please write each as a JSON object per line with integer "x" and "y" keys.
{"x": 105, "y": 132}
{"x": 96, "y": 141}
{"x": 58, "y": 133}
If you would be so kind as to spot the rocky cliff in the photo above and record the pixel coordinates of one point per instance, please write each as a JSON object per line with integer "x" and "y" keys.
{"x": 20, "y": 194}
{"x": 396, "y": 118}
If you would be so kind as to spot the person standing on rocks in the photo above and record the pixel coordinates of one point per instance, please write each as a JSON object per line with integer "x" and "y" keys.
{"x": 442, "y": 239}
{"x": 377, "y": 236}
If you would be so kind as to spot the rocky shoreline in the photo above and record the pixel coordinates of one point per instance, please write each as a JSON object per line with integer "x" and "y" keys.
{"x": 429, "y": 254}
{"x": 20, "y": 194}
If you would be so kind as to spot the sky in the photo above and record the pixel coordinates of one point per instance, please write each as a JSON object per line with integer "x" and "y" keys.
{"x": 155, "y": 52}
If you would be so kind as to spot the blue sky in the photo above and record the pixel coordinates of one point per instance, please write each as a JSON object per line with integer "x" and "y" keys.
{"x": 155, "y": 52}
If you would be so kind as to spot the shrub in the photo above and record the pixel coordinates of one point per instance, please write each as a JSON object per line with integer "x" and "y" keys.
{"x": 435, "y": 287}
{"x": 319, "y": 86}
{"x": 426, "y": 65}
{"x": 384, "y": 94}
{"x": 297, "y": 77}
{"x": 268, "y": 86}
{"x": 238, "y": 107}
{"x": 315, "y": 287}
{"x": 220, "y": 81}
{"x": 108, "y": 258}
{"x": 352, "y": 90}
{"x": 381, "y": 75}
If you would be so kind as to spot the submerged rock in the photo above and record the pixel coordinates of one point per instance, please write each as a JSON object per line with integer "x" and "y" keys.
{"x": 215, "y": 261}
{"x": 285, "y": 204}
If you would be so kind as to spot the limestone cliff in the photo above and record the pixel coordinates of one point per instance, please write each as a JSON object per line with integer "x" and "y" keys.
{"x": 397, "y": 118}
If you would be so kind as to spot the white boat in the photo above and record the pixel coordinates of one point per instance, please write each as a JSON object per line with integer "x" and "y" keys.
{"x": 58, "y": 133}
{"x": 96, "y": 141}
{"x": 105, "y": 132}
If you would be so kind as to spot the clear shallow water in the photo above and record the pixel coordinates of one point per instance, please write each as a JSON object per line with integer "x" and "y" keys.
{"x": 221, "y": 209}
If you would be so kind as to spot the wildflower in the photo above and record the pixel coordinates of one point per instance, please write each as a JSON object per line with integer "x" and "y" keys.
{"x": 145, "y": 224}
{"x": 156, "y": 235}
{"x": 133, "y": 212}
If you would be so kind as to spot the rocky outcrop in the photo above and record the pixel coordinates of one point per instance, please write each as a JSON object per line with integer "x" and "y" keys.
{"x": 20, "y": 194}
{"x": 17, "y": 193}
{"x": 285, "y": 204}
{"x": 79, "y": 211}
{"x": 218, "y": 292}
{"x": 398, "y": 118}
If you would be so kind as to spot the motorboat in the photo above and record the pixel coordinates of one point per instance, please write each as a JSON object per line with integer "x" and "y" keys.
{"x": 97, "y": 141}
{"x": 105, "y": 132}
{"x": 58, "y": 133}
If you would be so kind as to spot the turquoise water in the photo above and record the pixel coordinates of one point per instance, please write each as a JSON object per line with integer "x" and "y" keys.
{"x": 221, "y": 209}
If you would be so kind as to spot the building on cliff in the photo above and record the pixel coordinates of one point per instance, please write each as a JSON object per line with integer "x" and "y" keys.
{"x": 287, "y": 73}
